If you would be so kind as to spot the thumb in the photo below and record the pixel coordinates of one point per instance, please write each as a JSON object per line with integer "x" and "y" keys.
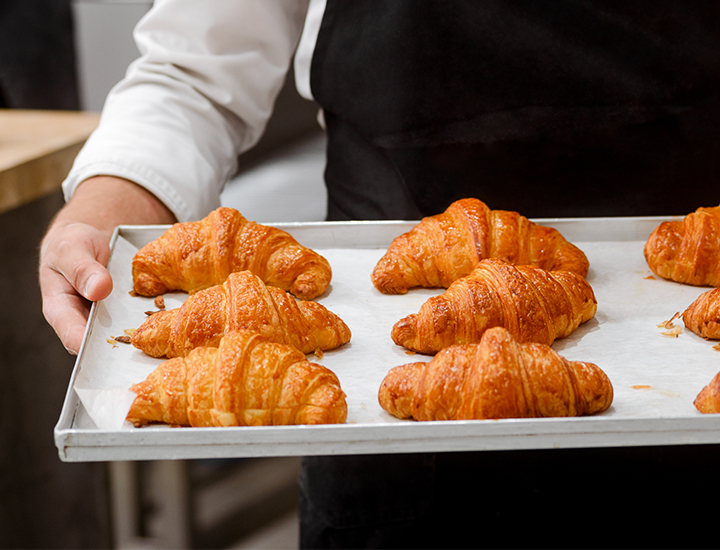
{"x": 80, "y": 254}
{"x": 93, "y": 282}
{"x": 71, "y": 272}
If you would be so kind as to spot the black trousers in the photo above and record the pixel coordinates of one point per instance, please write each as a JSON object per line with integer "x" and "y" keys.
{"x": 631, "y": 497}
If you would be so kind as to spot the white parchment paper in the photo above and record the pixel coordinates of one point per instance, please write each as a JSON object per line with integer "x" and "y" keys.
{"x": 653, "y": 375}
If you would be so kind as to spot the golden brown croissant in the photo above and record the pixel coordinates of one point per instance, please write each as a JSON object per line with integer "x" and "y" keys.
{"x": 191, "y": 256}
{"x": 708, "y": 400}
{"x": 496, "y": 378}
{"x": 241, "y": 302}
{"x": 445, "y": 247}
{"x": 703, "y": 315}
{"x": 246, "y": 381}
{"x": 687, "y": 251}
{"x": 533, "y": 304}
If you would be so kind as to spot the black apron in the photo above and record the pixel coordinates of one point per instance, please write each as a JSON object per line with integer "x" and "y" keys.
{"x": 547, "y": 108}
{"x": 551, "y": 109}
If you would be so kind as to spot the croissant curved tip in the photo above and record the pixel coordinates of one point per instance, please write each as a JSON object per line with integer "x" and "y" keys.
{"x": 387, "y": 287}
{"x": 388, "y": 283}
{"x": 313, "y": 415}
{"x": 308, "y": 288}
{"x": 396, "y": 392}
{"x": 703, "y": 403}
{"x": 311, "y": 283}
{"x": 145, "y": 284}
{"x": 152, "y": 337}
{"x": 595, "y": 385}
{"x": 708, "y": 400}
{"x": 145, "y": 408}
{"x": 388, "y": 277}
{"x": 404, "y": 331}
{"x": 306, "y": 291}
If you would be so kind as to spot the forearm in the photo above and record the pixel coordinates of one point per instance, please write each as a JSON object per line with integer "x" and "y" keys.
{"x": 105, "y": 202}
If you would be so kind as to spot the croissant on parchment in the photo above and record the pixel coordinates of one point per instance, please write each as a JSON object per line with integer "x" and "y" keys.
{"x": 708, "y": 400}
{"x": 445, "y": 247}
{"x": 533, "y": 304}
{"x": 687, "y": 251}
{"x": 241, "y": 302}
{"x": 191, "y": 256}
{"x": 245, "y": 381}
{"x": 496, "y": 378}
{"x": 703, "y": 315}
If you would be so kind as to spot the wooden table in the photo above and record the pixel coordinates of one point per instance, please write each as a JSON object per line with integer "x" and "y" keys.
{"x": 37, "y": 149}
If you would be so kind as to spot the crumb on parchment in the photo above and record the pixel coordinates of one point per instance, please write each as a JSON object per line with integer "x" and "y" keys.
{"x": 672, "y": 331}
{"x": 124, "y": 339}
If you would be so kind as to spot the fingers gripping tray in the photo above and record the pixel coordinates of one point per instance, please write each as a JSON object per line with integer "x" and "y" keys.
{"x": 656, "y": 369}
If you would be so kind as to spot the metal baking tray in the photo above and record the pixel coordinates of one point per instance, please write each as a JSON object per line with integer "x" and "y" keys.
{"x": 655, "y": 376}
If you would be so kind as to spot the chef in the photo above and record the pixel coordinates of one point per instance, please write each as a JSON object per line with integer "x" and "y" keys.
{"x": 559, "y": 108}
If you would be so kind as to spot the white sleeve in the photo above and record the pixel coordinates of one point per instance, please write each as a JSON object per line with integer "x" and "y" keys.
{"x": 200, "y": 94}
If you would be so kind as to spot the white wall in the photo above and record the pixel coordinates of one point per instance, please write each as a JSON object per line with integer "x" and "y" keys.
{"x": 104, "y": 45}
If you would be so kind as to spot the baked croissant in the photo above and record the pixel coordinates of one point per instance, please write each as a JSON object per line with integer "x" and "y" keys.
{"x": 687, "y": 251}
{"x": 191, "y": 256}
{"x": 533, "y": 304}
{"x": 708, "y": 400}
{"x": 496, "y": 378}
{"x": 703, "y": 315}
{"x": 445, "y": 247}
{"x": 241, "y": 302}
{"x": 245, "y": 381}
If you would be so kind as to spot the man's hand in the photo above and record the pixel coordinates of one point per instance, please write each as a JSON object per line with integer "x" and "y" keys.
{"x": 72, "y": 274}
{"x": 76, "y": 250}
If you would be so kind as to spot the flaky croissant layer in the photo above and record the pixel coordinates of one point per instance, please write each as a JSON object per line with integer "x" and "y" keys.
{"x": 246, "y": 381}
{"x": 708, "y": 400}
{"x": 703, "y": 315}
{"x": 533, "y": 304}
{"x": 687, "y": 251}
{"x": 497, "y": 378}
{"x": 195, "y": 255}
{"x": 445, "y": 247}
{"x": 243, "y": 301}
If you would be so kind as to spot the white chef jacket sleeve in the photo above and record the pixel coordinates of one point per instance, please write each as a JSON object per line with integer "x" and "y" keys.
{"x": 200, "y": 94}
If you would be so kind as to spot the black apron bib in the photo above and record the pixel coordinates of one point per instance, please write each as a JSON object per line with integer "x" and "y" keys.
{"x": 549, "y": 109}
